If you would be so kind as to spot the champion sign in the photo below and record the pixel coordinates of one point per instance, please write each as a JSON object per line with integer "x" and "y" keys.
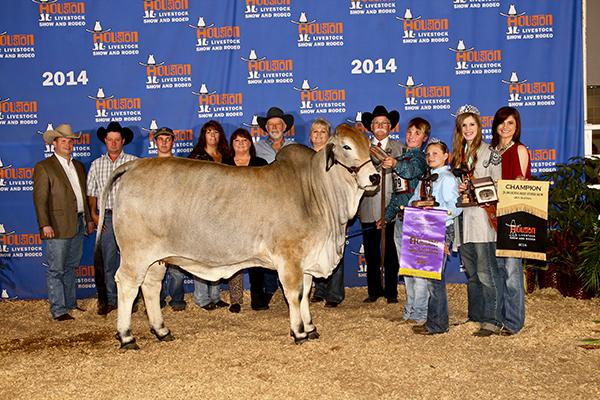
{"x": 267, "y": 9}
{"x": 417, "y": 30}
{"x": 18, "y": 112}
{"x": 372, "y": 7}
{"x": 17, "y": 45}
{"x": 470, "y": 61}
{"x": 218, "y": 105}
{"x": 167, "y": 76}
{"x": 165, "y": 11}
{"x": 211, "y": 38}
{"x": 419, "y": 97}
{"x": 318, "y": 34}
{"x": 54, "y": 14}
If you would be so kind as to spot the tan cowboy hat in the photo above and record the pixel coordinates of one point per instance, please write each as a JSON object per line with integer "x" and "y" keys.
{"x": 63, "y": 130}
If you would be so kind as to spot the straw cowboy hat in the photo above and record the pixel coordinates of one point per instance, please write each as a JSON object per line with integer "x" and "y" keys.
{"x": 63, "y": 130}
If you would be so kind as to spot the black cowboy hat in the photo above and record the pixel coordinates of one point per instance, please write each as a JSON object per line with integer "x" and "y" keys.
{"x": 126, "y": 133}
{"x": 367, "y": 117}
{"x": 275, "y": 112}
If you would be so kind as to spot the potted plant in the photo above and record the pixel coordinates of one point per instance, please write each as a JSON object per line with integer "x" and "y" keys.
{"x": 573, "y": 210}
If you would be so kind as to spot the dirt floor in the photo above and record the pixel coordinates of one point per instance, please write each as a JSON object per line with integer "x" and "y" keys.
{"x": 364, "y": 352}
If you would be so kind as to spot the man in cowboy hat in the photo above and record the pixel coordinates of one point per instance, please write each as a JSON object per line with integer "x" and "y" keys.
{"x": 164, "y": 138}
{"x": 114, "y": 137}
{"x": 380, "y": 122}
{"x": 63, "y": 216}
{"x": 276, "y": 124}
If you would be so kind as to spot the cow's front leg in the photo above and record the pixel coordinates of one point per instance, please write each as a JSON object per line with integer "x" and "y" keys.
{"x": 291, "y": 281}
{"x": 309, "y": 328}
{"x": 151, "y": 290}
{"x": 127, "y": 289}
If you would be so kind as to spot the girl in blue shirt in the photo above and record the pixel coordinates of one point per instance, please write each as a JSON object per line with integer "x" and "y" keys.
{"x": 445, "y": 191}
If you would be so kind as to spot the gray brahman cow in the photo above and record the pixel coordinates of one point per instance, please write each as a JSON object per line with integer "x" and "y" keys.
{"x": 214, "y": 220}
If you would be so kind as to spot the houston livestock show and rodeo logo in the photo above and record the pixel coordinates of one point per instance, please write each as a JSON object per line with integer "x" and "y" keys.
{"x": 55, "y": 14}
{"x": 312, "y": 33}
{"x": 218, "y": 105}
{"x": 523, "y": 93}
{"x": 267, "y": 9}
{"x": 522, "y": 26}
{"x": 107, "y": 42}
{"x": 475, "y": 4}
{"x": 160, "y": 75}
{"x": 18, "y": 112}
{"x": 119, "y": 109}
{"x": 471, "y": 61}
{"x": 17, "y": 45}
{"x": 216, "y": 38}
{"x": 14, "y": 178}
{"x": 419, "y": 30}
{"x": 371, "y": 7}
{"x": 421, "y": 97}
{"x": 165, "y": 11}
{"x": 314, "y": 100}
{"x": 264, "y": 71}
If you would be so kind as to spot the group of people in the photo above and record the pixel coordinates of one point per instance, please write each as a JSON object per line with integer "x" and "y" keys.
{"x": 495, "y": 286}
{"x": 66, "y": 204}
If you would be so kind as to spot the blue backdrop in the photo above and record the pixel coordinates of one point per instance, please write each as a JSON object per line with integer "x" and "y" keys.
{"x": 181, "y": 63}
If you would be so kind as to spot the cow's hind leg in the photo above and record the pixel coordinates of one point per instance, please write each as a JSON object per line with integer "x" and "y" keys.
{"x": 151, "y": 291}
{"x": 309, "y": 327}
{"x": 127, "y": 289}
{"x": 291, "y": 281}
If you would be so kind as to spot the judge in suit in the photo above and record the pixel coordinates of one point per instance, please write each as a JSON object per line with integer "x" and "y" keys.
{"x": 381, "y": 122}
{"x": 59, "y": 187}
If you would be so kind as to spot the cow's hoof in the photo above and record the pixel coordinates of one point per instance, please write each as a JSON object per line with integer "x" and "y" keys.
{"x": 312, "y": 335}
{"x": 300, "y": 340}
{"x": 130, "y": 346}
{"x": 167, "y": 337}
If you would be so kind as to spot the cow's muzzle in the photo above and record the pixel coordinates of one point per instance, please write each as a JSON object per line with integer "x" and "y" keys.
{"x": 375, "y": 179}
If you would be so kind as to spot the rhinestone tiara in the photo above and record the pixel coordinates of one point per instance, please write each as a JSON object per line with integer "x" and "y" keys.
{"x": 467, "y": 108}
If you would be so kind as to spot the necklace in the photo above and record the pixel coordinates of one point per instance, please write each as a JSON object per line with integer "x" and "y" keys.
{"x": 507, "y": 146}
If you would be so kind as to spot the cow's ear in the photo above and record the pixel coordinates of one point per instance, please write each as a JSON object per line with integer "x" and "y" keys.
{"x": 330, "y": 157}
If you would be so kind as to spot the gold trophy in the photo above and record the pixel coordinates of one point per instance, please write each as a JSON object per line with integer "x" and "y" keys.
{"x": 467, "y": 198}
{"x": 427, "y": 197}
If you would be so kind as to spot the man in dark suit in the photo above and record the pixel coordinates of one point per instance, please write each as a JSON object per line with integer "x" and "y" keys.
{"x": 59, "y": 187}
{"x": 381, "y": 122}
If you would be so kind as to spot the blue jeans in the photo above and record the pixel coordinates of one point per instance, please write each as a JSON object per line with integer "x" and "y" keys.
{"x": 484, "y": 285}
{"x": 64, "y": 255}
{"x": 110, "y": 256}
{"x": 173, "y": 286}
{"x": 206, "y": 292}
{"x": 513, "y": 304}
{"x": 332, "y": 288}
{"x": 417, "y": 295}
{"x": 437, "y": 308}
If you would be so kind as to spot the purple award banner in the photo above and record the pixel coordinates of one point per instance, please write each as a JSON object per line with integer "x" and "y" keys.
{"x": 423, "y": 237}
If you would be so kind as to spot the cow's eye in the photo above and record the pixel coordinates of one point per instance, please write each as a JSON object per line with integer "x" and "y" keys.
{"x": 346, "y": 147}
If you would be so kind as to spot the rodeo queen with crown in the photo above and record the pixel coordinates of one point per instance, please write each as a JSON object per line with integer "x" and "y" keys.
{"x": 476, "y": 235}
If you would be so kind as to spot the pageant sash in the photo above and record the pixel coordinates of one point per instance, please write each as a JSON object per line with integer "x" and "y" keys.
{"x": 423, "y": 237}
{"x": 522, "y": 219}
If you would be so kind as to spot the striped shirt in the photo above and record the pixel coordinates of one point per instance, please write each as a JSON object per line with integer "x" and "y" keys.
{"x": 99, "y": 173}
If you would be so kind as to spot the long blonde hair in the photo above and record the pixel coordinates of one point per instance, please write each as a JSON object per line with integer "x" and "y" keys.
{"x": 458, "y": 143}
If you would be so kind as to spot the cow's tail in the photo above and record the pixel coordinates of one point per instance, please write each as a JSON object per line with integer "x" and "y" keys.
{"x": 116, "y": 174}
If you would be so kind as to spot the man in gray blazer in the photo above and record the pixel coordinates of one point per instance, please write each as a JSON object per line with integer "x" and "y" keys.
{"x": 59, "y": 187}
{"x": 380, "y": 122}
